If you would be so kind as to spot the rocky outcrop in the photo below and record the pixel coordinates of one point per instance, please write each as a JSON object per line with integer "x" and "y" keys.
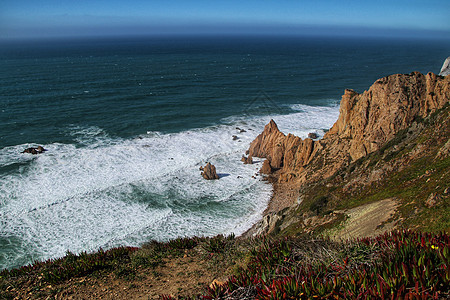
{"x": 209, "y": 172}
{"x": 369, "y": 120}
{"x": 266, "y": 169}
{"x": 269, "y": 144}
{"x": 366, "y": 122}
{"x": 247, "y": 160}
{"x": 445, "y": 70}
{"x": 34, "y": 150}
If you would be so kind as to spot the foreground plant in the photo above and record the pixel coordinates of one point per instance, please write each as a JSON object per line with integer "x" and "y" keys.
{"x": 397, "y": 265}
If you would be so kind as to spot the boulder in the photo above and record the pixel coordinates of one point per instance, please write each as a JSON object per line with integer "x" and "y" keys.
{"x": 209, "y": 172}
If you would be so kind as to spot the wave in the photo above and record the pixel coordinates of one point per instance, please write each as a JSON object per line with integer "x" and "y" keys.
{"x": 112, "y": 191}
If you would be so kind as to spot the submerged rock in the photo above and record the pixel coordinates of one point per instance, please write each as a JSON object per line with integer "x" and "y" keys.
{"x": 35, "y": 150}
{"x": 209, "y": 172}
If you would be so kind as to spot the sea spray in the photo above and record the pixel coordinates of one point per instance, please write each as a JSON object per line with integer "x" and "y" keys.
{"x": 106, "y": 192}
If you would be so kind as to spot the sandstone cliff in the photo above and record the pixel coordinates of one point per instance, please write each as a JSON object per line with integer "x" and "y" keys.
{"x": 385, "y": 147}
{"x": 366, "y": 122}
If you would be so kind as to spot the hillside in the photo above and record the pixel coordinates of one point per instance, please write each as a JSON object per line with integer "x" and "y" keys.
{"x": 383, "y": 166}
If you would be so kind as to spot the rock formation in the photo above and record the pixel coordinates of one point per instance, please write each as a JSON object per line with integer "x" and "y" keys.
{"x": 209, "y": 172}
{"x": 34, "y": 150}
{"x": 445, "y": 70}
{"x": 391, "y": 104}
{"x": 266, "y": 169}
{"x": 366, "y": 122}
{"x": 247, "y": 160}
{"x": 394, "y": 119}
{"x": 269, "y": 144}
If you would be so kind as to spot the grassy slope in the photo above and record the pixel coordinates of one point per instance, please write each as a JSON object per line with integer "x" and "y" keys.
{"x": 402, "y": 264}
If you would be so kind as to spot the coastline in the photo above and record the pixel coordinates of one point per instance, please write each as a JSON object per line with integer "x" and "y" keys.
{"x": 283, "y": 197}
{"x": 367, "y": 124}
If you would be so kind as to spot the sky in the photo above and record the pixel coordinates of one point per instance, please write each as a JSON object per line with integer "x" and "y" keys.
{"x": 66, "y": 18}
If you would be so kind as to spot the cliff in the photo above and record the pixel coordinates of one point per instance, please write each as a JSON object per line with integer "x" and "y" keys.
{"x": 366, "y": 122}
{"x": 336, "y": 167}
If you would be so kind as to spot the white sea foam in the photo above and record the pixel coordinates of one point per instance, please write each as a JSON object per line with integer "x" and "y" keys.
{"x": 114, "y": 192}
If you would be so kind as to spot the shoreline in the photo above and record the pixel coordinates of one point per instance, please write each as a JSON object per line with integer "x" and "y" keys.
{"x": 283, "y": 196}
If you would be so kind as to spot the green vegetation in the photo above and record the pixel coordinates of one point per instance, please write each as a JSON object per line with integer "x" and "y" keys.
{"x": 398, "y": 265}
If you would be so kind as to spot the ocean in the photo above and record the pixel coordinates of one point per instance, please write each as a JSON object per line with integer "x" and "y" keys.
{"x": 128, "y": 122}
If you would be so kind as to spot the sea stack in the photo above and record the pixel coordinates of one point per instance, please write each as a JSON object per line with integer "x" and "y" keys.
{"x": 209, "y": 172}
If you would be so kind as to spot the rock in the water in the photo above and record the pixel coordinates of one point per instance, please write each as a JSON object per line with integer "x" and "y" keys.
{"x": 235, "y": 137}
{"x": 34, "y": 150}
{"x": 209, "y": 172}
{"x": 445, "y": 70}
{"x": 313, "y": 135}
{"x": 247, "y": 160}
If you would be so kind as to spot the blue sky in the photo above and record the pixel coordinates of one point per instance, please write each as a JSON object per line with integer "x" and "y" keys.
{"x": 52, "y": 18}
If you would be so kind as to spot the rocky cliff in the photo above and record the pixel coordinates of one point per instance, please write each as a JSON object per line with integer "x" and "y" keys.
{"x": 366, "y": 122}
{"x": 378, "y": 134}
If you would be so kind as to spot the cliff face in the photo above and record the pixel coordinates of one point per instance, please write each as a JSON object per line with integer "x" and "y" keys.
{"x": 391, "y": 104}
{"x": 366, "y": 122}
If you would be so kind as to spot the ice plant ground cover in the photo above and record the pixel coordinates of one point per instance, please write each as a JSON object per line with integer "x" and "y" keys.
{"x": 397, "y": 265}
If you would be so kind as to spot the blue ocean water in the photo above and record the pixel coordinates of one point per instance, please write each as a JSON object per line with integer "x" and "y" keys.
{"x": 128, "y": 122}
